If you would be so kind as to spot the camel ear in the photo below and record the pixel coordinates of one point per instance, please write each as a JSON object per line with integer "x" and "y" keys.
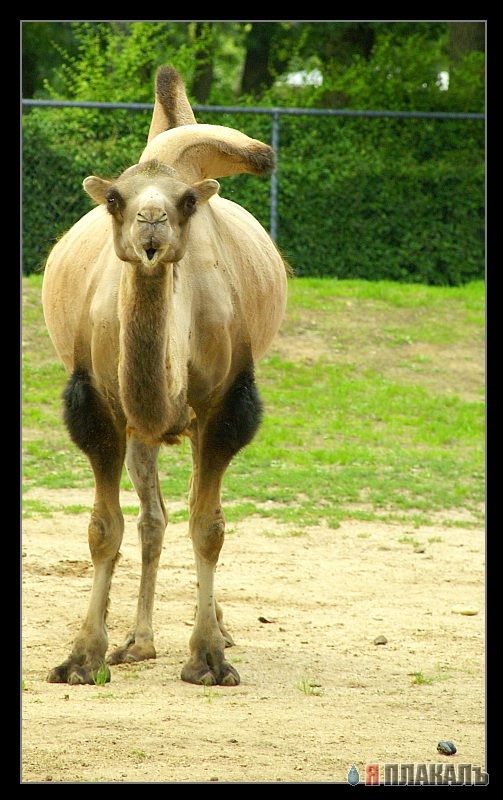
{"x": 205, "y": 189}
{"x": 96, "y": 188}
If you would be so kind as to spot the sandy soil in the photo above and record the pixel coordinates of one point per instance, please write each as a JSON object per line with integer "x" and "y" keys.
{"x": 328, "y": 594}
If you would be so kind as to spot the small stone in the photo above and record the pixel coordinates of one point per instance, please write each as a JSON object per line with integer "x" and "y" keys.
{"x": 420, "y": 548}
{"x": 265, "y": 620}
{"x": 380, "y": 640}
{"x": 467, "y": 611}
{"x": 446, "y": 748}
{"x": 213, "y": 779}
{"x": 66, "y": 697}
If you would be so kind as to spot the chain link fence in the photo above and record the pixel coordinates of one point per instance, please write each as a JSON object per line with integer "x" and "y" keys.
{"x": 364, "y": 194}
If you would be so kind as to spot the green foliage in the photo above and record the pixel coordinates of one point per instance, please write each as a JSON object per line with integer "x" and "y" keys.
{"x": 400, "y": 75}
{"x": 309, "y": 687}
{"x": 340, "y": 439}
{"x": 358, "y": 198}
{"x": 376, "y": 199}
{"x": 43, "y": 44}
{"x": 113, "y": 56}
{"x": 102, "y": 676}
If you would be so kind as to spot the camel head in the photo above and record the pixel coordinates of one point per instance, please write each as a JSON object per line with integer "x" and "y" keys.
{"x": 151, "y": 211}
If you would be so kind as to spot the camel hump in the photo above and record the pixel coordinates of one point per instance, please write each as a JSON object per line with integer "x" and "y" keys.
{"x": 171, "y": 107}
{"x": 210, "y": 151}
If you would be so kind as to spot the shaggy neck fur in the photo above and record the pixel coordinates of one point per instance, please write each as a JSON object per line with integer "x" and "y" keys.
{"x": 151, "y": 383}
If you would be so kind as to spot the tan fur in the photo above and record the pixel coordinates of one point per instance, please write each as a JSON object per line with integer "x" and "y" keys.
{"x": 209, "y": 151}
{"x": 171, "y": 107}
{"x": 163, "y": 338}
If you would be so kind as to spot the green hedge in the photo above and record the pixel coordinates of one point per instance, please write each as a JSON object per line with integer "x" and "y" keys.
{"x": 362, "y": 198}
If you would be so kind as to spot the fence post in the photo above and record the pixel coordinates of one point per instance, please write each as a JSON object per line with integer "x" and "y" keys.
{"x": 273, "y": 226}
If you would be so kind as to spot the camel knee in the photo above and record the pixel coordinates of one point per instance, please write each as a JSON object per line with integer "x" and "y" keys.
{"x": 208, "y": 537}
{"x": 151, "y": 527}
{"x": 105, "y": 535}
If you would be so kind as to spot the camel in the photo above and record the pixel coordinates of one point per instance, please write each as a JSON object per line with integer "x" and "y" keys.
{"x": 159, "y": 302}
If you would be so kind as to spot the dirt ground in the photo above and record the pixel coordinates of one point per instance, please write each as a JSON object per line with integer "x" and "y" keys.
{"x": 317, "y": 694}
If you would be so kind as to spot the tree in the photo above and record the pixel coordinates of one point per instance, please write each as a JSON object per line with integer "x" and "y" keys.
{"x": 204, "y": 54}
{"x": 464, "y": 38}
{"x": 466, "y": 50}
{"x": 42, "y": 45}
{"x": 264, "y": 59}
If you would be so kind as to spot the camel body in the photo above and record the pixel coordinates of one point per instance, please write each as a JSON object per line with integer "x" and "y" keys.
{"x": 230, "y": 297}
{"x": 159, "y": 302}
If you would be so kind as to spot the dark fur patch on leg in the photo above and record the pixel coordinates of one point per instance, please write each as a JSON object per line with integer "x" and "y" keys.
{"x": 89, "y": 421}
{"x": 237, "y": 420}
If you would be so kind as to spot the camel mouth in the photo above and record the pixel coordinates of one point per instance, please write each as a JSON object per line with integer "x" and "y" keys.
{"x": 151, "y": 253}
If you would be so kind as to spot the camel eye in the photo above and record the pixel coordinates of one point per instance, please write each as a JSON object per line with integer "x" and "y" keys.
{"x": 114, "y": 201}
{"x": 188, "y": 204}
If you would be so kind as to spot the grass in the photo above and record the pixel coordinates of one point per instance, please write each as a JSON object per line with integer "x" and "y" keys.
{"x": 209, "y": 694}
{"x": 419, "y": 679}
{"x": 409, "y": 540}
{"x": 102, "y": 676}
{"x": 309, "y": 686}
{"x": 374, "y": 422}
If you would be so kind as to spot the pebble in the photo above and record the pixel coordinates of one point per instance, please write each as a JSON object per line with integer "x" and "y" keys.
{"x": 467, "y": 611}
{"x": 447, "y": 748}
{"x": 380, "y": 640}
{"x": 420, "y": 548}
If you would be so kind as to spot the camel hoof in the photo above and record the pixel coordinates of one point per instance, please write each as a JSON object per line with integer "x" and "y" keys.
{"x": 132, "y": 653}
{"x": 76, "y": 675}
{"x": 203, "y": 675}
{"x": 228, "y": 675}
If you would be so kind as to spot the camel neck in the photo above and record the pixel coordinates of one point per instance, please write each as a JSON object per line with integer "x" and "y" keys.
{"x": 152, "y": 388}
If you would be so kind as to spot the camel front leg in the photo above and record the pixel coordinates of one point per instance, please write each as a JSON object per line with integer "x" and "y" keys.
{"x": 207, "y": 664}
{"x": 93, "y": 429}
{"x": 193, "y": 491}
{"x": 141, "y": 463}
{"x": 231, "y": 427}
{"x": 89, "y": 648}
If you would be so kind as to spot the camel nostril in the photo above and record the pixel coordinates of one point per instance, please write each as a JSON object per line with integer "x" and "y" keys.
{"x": 151, "y": 253}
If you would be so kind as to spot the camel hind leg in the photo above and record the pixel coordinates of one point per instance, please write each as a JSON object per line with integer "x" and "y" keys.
{"x": 141, "y": 463}
{"x": 94, "y": 430}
